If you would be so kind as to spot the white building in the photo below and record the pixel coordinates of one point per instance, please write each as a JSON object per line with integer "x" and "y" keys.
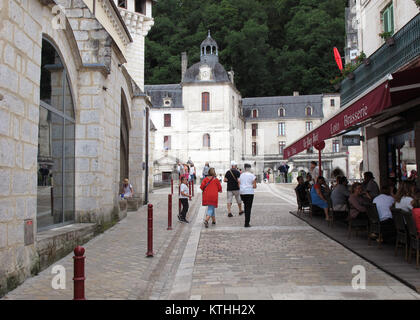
{"x": 204, "y": 118}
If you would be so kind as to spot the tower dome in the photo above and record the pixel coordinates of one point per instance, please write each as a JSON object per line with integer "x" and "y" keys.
{"x": 209, "y": 50}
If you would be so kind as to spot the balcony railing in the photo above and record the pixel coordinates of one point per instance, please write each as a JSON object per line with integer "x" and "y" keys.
{"x": 387, "y": 59}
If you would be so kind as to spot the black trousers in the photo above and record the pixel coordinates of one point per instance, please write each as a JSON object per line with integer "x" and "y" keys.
{"x": 247, "y": 200}
{"x": 185, "y": 206}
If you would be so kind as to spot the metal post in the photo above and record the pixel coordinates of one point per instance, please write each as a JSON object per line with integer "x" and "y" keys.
{"x": 189, "y": 187}
{"x": 169, "y": 212}
{"x": 79, "y": 274}
{"x": 192, "y": 194}
{"x": 179, "y": 206}
{"x": 320, "y": 165}
{"x": 172, "y": 186}
{"x": 150, "y": 231}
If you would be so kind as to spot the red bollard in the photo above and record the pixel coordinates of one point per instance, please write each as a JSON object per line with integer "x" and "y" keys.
{"x": 149, "y": 252}
{"x": 169, "y": 212}
{"x": 179, "y": 189}
{"x": 189, "y": 187}
{"x": 79, "y": 274}
{"x": 172, "y": 186}
{"x": 179, "y": 206}
{"x": 192, "y": 187}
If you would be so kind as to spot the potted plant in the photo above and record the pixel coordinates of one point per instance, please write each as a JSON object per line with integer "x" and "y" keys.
{"x": 387, "y": 36}
{"x": 336, "y": 82}
{"x": 348, "y": 70}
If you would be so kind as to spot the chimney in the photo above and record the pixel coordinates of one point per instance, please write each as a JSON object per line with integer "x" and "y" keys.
{"x": 184, "y": 64}
{"x": 295, "y": 93}
{"x": 232, "y": 76}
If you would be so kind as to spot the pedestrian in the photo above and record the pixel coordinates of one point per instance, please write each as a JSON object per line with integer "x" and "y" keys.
{"x": 192, "y": 172}
{"x": 186, "y": 171}
{"x": 268, "y": 176}
{"x": 126, "y": 189}
{"x": 231, "y": 177}
{"x": 206, "y": 170}
{"x": 181, "y": 171}
{"x": 183, "y": 197}
{"x": 247, "y": 184}
{"x": 211, "y": 188}
{"x": 308, "y": 182}
{"x": 314, "y": 171}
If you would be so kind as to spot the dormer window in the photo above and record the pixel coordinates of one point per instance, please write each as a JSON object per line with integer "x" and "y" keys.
{"x": 281, "y": 112}
{"x": 308, "y": 111}
{"x": 254, "y": 113}
{"x": 167, "y": 102}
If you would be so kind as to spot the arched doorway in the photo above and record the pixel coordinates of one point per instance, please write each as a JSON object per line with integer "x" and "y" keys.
{"x": 56, "y": 142}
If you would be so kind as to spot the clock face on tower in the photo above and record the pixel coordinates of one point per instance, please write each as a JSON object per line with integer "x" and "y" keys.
{"x": 205, "y": 73}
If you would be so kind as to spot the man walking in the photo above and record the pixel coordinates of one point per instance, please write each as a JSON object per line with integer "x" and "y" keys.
{"x": 247, "y": 184}
{"x": 206, "y": 170}
{"x": 231, "y": 177}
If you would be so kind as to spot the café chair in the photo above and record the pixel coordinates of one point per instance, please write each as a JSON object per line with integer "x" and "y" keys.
{"x": 374, "y": 225}
{"x": 401, "y": 231}
{"x": 413, "y": 236}
{"x": 302, "y": 205}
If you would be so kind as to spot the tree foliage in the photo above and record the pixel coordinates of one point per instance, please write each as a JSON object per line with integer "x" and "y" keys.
{"x": 275, "y": 47}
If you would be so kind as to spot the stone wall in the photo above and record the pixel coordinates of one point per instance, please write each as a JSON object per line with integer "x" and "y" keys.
{"x": 97, "y": 80}
{"x": 20, "y": 43}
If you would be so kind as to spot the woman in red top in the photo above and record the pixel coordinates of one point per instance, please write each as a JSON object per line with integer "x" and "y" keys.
{"x": 211, "y": 188}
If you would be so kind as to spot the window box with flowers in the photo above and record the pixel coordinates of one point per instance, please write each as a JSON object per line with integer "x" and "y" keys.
{"x": 389, "y": 39}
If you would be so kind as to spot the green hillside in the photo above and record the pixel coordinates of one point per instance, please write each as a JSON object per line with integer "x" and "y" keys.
{"x": 275, "y": 47}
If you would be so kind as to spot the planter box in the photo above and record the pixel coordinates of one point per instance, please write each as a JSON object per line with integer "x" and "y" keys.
{"x": 390, "y": 41}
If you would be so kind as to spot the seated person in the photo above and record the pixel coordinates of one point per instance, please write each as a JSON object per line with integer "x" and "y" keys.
{"x": 405, "y": 195}
{"x": 416, "y": 211}
{"x": 317, "y": 195}
{"x": 357, "y": 201}
{"x": 340, "y": 194}
{"x": 126, "y": 189}
{"x": 301, "y": 191}
{"x": 308, "y": 182}
{"x": 384, "y": 203}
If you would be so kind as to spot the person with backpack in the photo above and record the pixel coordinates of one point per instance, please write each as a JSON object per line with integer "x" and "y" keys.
{"x": 231, "y": 177}
{"x": 211, "y": 188}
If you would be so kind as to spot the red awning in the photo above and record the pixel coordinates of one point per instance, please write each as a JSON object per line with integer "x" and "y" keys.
{"x": 404, "y": 86}
{"x": 367, "y": 106}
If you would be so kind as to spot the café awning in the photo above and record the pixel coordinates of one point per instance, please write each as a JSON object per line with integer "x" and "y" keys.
{"x": 404, "y": 86}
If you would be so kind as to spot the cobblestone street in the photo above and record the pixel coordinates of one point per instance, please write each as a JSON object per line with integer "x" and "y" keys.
{"x": 279, "y": 257}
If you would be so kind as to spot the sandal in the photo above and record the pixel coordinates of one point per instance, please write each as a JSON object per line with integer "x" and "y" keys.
{"x": 206, "y": 223}
{"x": 241, "y": 213}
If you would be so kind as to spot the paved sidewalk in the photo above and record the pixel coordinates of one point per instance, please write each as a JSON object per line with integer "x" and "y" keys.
{"x": 116, "y": 264}
{"x": 279, "y": 257}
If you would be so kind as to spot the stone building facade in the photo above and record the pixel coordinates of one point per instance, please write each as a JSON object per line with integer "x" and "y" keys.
{"x": 72, "y": 125}
{"x": 204, "y": 118}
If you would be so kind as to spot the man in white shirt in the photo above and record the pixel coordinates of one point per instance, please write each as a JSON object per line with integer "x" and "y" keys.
{"x": 384, "y": 202}
{"x": 247, "y": 184}
{"x": 314, "y": 171}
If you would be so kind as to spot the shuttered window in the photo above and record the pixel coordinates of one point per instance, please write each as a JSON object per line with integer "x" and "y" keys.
{"x": 205, "y": 101}
{"x": 254, "y": 129}
{"x": 167, "y": 119}
{"x": 388, "y": 19}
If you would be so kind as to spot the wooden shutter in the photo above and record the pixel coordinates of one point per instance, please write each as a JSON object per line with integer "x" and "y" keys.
{"x": 205, "y": 101}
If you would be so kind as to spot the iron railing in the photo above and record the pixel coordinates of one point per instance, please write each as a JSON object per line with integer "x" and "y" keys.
{"x": 387, "y": 59}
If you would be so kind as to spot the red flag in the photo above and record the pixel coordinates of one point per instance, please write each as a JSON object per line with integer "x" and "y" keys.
{"x": 338, "y": 59}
